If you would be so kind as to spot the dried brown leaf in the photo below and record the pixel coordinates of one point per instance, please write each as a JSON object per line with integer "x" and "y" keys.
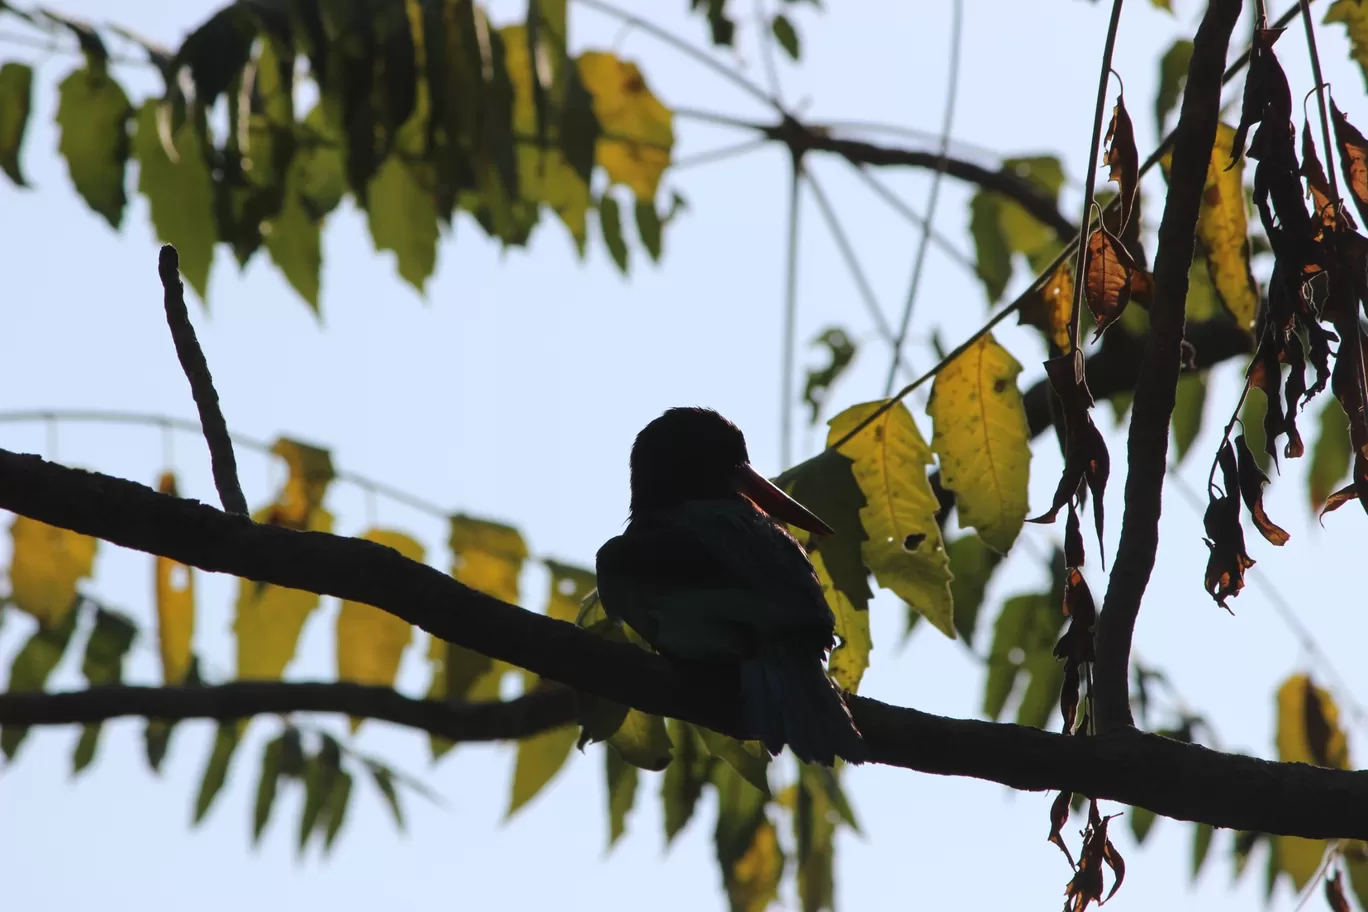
{"x": 1317, "y": 185}
{"x": 1073, "y": 540}
{"x": 1124, "y": 159}
{"x": 1107, "y": 278}
{"x": 1252, "y": 481}
{"x": 1224, "y": 535}
{"x": 1077, "y": 645}
{"x": 1353, "y": 153}
{"x": 1334, "y": 893}
{"x": 1085, "y": 452}
{"x": 1059, "y": 817}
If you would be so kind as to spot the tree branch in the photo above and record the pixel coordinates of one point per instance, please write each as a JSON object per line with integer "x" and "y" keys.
{"x": 1147, "y": 446}
{"x": 493, "y": 721}
{"x": 1170, "y": 778}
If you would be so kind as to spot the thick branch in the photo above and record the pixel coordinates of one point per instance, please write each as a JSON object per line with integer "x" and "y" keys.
{"x": 1176, "y": 780}
{"x": 494, "y": 721}
{"x": 1147, "y": 447}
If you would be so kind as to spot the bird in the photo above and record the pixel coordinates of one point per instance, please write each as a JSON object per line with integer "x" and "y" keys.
{"x": 706, "y": 571}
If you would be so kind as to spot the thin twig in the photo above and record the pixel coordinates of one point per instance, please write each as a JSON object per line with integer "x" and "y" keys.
{"x": 716, "y": 155}
{"x": 767, "y": 54}
{"x": 896, "y": 203}
{"x": 790, "y": 333}
{"x": 919, "y": 261}
{"x": 201, "y": 384}
{"x": 1305, "y": 8}
{"x": 1075, "y": 321}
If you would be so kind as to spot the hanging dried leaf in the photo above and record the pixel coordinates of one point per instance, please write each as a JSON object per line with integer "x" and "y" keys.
{"x": 1252, "y": 481}
{"x": 1334, "y": 893}
{"x": 1357, "y": 489}
{"x": 1107, "y": 278}
{"x": 1317, "y": 186}
{"x": 1225, "y": 537}
{"x": 1059, "y": 817}
{"x": 1295, "y": 390}
{"x": 1353, "y": 153}
{"x": 1265, "y": 86}
{"x": 1075, "y": 647}
{"x": 1124, "y": 159}
{"x": 1085, "y": 452}
{"x": 1073, "y": 540}
{"x": 1049, "y": 309}
{"x": 1086, "y": 885}
{"x": 1266, "y": 374}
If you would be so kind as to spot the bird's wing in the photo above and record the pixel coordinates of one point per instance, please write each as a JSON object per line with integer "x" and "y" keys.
{"x": 711, "y": 580}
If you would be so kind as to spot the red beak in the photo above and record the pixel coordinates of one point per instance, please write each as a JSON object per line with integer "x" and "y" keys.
{"x": 776, "y": 503}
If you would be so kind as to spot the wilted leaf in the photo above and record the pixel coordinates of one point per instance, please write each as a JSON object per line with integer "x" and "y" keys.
{"x": 46, "y": 563}
{"x": 1059, "y": 818}
{"x": 16, "y": 99}
{"x": 622, "y": 787}
{"x": 180, "y": 193}
{"x": 1086, "y": 885}
{"x": 1123, "y": 159}
{"x": 638, "y": 131}
{"x": 1173, "y": 68}
{"x": 92, "y": 116}
{"x": 1076, "y": 646}
{"x": 1334, "y": 893}
{"x": 175, "y": 589}
{"x": 1308, "y": 732}
{"x": 1188, "y": 409}
{"x": 1330, "y": 455}
{"x": 982, "y": 441}
{"x": 820, "y": 380}
{"x": 903, "y": 548}
{"x": 684, "y": 778}
{"x": 1252, "y": 481}
{"x": 216, "y": 770}
{"x": 1225, "y": 537}
{"x": 1107, "y": 278}
{"x": 1353, "y": 155}
{"x": 30, "y": 670}
{"x": 972, "y": 564}
{"x": 1085, "y": 452}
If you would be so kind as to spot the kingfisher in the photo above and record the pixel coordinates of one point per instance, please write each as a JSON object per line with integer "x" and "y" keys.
{"x": 707, "y": 572}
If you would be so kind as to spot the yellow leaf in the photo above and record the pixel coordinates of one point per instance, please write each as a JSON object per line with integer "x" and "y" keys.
{"x": 638, "y": 131}
{"x": 175, "y": 587}
{"x": 311, "y": 470}
{"x": 754, "y": 879}
{"x": 45, "y": 566}
{"x": 983, "y": 442}
{"x": 569, "y": 587}
{"x": 1354, "y": 15}
{"x": 1223, "y": 229}
{"x": 1308, "y": 732}
{"x": 540, "y": 757}
{"x": 1049, "y": 309}
{"x": 850, "y": 658}
{"x": 371, "y": 642}
{"x": 904, "y": 548}
{"x": 487, "y": 556}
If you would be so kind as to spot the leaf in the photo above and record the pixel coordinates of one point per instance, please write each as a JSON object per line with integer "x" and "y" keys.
{"x": 1123, "y": 159}
{"x": 314, "y": 185}
{"x": 16, "y": 100}
{"x": 820, "y": 380}
{"x": 1188, "y": 409}
{"x": 540, "y": 758}
{"x": 1223, "y": 229}
{"x": 1107, "y": 279}
{"x": 826, "y": 485}
{"x": 180, "y": 193}
{"x": 371, "y": 642}
{"x": 850, "y": 659}
{"x": 1141, "y": 822}
{"x": 1252, "y": 481}
{"x": 622, "y": 786}
{"x": 1001, "y": 228}
{"x": 175, "y": 594}
{"x": 648, "y": 229}
{"x": 106, "y": 648}
{"x": 86, "y": 746}
{"x": 638, "y": 131}
{"x": 403, "y": 218}
{"x": 268, "y": 619}
{"x": 1027, "y": 627}
{"x": 1225, "y": 537}
{"x": 1308, "y": 732}
{"x": 642, "y": 741}
{"x": 32, "y": 666}
{"x": 747, "y": 844}
{"x": 487, "y": 556}
{"x": 1173, "y": 68}
{"x": 786, "y": 35}
{"x": 266, "y": 786}
{"x": 1353, "y": 155}
{"x": 1355, "y": 19}
{"x": 92, "y": 117}
{"x": 903, "y": 548}
{"x": 46, "y": 563}
{"x": 682, "y": 784}
{"x": 1049, "y": 309}
{"x": 748, "y": 758}
{"x": 1330, "y": 455}
{"x": 1201, "y": 844}
{"x": 610, "y": 221}
{"x": 814, "y": 833}
{"x": 216, "y": 770}
{"x": 1085, "y": 452}
{"x": 339, "y": 797}
{"x": 972, "y": 564}
{"x": 982, "y": 441}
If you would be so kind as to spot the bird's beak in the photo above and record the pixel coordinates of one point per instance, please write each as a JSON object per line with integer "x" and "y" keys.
{"x": 776, "y": 503}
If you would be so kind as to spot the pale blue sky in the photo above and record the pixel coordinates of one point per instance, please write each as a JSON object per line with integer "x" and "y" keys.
{"x": 513, "y": 392}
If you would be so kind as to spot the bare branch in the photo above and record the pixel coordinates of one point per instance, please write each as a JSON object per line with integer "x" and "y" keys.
{"x": 201, "y": 383}
{"x": 1177, "y": 780}
{"x": 1147, "y": 446}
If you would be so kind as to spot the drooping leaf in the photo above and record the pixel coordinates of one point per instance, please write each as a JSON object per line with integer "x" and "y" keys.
{"x": 267, "y": 783}
{"x": 1085, "y": 452}
{"x": 540, "y": 758}
{"x": 92, "y": 117}
{"x": 638, "y": 131}
{"x": 748, "y": 758}
{"x": 1308, "y": 732}
{"x": 1141, "y": 822}
{"x": 175, "y": 594}
{"x": 610, "y": 221}
{"x": 1107, "y": 278}
{"x": 786, "y": 35}
{"x": 384, "y": 781}
{"x": 1353, "y": 156}
{"x": 688, "y": 772}
{"x": 403, "y": 219}
{"x": 1123, "y": 159}
{"x": 339, "y": 799}
{"x": 314, "y": 185}
{"x": 371, "y": 642}
{"x": 1173, "y": 68}
{"x": 31, "y": 667}
{"x": 268, "y": 619}
{"x": 747, "y": 844}
{"x": 642, "y": 741}
{"x": 1201, "y": 845}
{"x": 841, "y": 348}
{"x": 1228, "y": 559}
{"x": 814, "y": 826}
{"x": 1188, "y": 409}
{"x": 323, "y": 788}
{"x": 1252, "y": 481}
{"x": 649, "y": 227}
{"x": 46, "y": 563}
{"x": 982, "y": 441}
{"x": 972, "y": 563}
{"x": 622, "y": 787}
{"x": 1002, "y": 228}
{"x": 216, "y": 769}
{"x": 1330, "y": 454}
{"x": 106, "y": 648}
{"x": 903, "y": 548}
{"x": 179, "y": 191}
{"x": 850, "y": 659}
{"x": 16, "y": 100}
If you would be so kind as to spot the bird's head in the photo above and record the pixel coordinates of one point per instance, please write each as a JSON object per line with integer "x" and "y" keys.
{"x": 696, "y": 454}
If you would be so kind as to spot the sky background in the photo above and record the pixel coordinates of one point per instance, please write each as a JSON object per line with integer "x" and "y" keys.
{"x": 512, "y": 390}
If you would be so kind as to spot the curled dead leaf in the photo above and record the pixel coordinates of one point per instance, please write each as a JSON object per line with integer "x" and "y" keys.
{"x": 1073, "y": 540}
{"x": 1059, "y": 816}
{"x": 1085, "y": 452}
{"x": 1224, "y": 536}
{"x": 1107, "y": 278}
{"x": 1252, "y": 481}
{"x": 1086, "y": 885}
{"x": 1076, "y": 646}
{"x": 1353, "y": 152}
{"x": 1123, "y": 158}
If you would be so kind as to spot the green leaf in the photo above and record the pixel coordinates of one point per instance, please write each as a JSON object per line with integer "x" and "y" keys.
{"x": 642, "y": 741}
{"x": 16, "y": 100}
{"x": 85, "y": 748}
{"x": 109, "y": 643}
{"x": 30, "y": 670}
{"x": 1045, "y": 679}
{"x": 217, "y": 51}
{"x": 339, "y": 797}
{"x": 1201, "y": 844}
{"x": 216, "y": 770}
{"x": 1027, "y": 627}
{"x": 1173, "y": 67}
{"x": 92, "y": 118}
{"x": 384, "y": 781}
{"x": 747, "y": 845}
{"x": 1355, "y": 18}
{"x": 814, "y": 833}
{"x": 828, "y": 783}
{"x": 1330, "y": 455}
{"x": 266, "y": 786}
{"x": 850, "y": 659}
{"x": 610, "y": 221}
{"x": 648, "y": 228}
{"x": 540, "y": 758}
{"x": 748, "y": 758}
{"x": 403, "y": 218}
{"x": 320, "y": 774}
{"x": 180, "y": 193}
{"x": 972, "y": 564}
{"x": 826, "y": 485}
{"x": 1252, "y": 418}
{"x": 1188, "y": 410}
{"x": 903, "y": 547}
{"x": 786, "y": 35}
{"x": 622, "y": 786}
{"x": 820, "y": 380}
{"x": 1141, "y": 822}
{"x": 1001, "y": 228}
{"x": 684, "y": 778}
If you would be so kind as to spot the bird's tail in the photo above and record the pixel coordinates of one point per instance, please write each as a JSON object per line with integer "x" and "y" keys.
{"x": 790, "y": 700}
